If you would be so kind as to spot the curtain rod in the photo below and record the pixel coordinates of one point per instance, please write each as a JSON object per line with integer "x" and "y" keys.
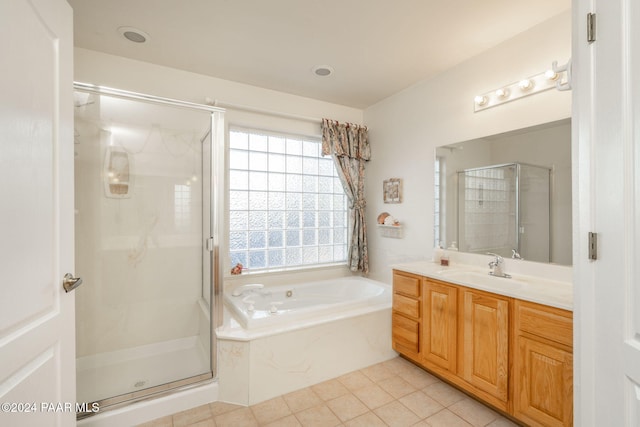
{"x": 216, "y": 103}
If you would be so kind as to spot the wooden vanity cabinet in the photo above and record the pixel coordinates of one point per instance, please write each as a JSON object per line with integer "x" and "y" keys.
{"x": 484, "y": 352}
{"x": 439, "y": 336}
{"x": 406, "y": 314}
{"x": 465, "y": 339}
{"x": 514, "y": 355}
{"x": 543, "y": 365}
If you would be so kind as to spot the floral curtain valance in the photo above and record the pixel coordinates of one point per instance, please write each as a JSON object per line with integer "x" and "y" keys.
{"x": 348, "y": 144}
{"x": 345, "y": 139}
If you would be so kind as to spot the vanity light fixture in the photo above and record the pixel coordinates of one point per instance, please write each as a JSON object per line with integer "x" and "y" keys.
{"x": 552, "y": 78}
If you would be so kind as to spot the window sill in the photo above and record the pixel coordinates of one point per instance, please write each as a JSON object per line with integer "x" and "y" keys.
{"x": 286, "y": 271}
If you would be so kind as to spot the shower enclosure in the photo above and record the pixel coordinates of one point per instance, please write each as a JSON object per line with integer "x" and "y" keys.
{"x": 146, "y": 243}
{"x": 502, "y": 208}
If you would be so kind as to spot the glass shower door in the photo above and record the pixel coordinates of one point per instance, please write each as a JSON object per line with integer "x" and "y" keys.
{"x": 504, "y": 208}
{"x": 488, "y": 210}
{"x": 143, "y": 199}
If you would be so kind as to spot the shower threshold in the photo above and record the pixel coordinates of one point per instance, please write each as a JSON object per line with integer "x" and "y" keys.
{"x": 124, "y": 375}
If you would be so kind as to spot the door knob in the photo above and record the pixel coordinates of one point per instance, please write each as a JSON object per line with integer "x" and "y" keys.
{"x": 69, "y": 282}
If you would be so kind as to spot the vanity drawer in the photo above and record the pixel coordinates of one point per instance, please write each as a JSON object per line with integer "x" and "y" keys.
{"x": 406, "y": 305}
{"x": 406, "y": 333}
{"x": 546, "y": 322}
{"x": 406, "y": 284}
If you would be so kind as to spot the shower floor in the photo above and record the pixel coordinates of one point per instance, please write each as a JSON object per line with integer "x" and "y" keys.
{"x": 106, "y": 375}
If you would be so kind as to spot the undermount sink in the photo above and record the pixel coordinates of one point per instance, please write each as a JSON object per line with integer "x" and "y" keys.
{"x": 474, "y": 277}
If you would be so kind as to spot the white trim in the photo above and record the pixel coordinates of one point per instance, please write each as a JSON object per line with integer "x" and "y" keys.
{"x": 119, "y": 93}
{"x": 249, "y": 109}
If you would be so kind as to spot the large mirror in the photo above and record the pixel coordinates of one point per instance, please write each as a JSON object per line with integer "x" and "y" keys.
{"x": 507, "y": 193}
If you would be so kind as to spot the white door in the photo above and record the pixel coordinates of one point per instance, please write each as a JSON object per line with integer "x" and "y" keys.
{"x": 606, "y": 150}
{"x": 37, "y": 348}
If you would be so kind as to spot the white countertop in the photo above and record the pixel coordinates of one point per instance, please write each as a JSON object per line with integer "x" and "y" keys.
{"x": 554, "y": 293}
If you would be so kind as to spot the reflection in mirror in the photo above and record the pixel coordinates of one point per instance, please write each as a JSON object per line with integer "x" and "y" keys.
{"x": 508, "y": 192}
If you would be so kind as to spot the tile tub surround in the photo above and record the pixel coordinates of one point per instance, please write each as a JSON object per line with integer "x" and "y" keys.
{"x": 391, "y": 393}
{"x": 535, "y": 282}
{"x": 262, "y": 367}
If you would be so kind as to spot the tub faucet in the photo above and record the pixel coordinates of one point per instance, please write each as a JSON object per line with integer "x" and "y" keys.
{"x": 238, "y": 290}
{"x": 515, "y": 254}
{"x": 496, "y": 265}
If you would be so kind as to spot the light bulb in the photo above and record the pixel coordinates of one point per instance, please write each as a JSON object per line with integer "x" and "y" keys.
{"x": 551, "y": 75}
{"x": 480, "y": 100}
{"x": 525, "y": 84}
{"x": 194, "y": 178}
{"x": 502, "y": 93}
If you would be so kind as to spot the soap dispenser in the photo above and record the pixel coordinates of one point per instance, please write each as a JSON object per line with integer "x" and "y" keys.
{"x": 438, "y": 253}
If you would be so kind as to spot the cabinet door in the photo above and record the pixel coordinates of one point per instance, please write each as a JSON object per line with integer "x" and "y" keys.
{"x": 440, "y": 325}
{"x": 485, "y": 343}
{"x": 543, "y": 385}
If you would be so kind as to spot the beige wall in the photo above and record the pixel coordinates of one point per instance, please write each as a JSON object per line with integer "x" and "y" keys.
{"x": 406, "y": 128}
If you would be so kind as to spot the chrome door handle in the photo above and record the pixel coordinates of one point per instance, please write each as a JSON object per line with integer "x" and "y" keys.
{"x": 69, "y": 282}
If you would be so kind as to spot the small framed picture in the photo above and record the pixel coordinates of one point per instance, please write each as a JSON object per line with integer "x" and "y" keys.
{"x": 392, "y": 190}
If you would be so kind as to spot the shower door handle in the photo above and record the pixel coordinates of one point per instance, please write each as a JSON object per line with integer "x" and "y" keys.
{"x": 69, "y": 282}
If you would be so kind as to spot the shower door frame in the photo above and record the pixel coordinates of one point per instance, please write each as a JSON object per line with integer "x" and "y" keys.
{"x": 211, "y": 243}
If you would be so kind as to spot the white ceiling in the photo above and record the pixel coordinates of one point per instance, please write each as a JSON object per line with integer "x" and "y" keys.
{"x": 376, "y": 47}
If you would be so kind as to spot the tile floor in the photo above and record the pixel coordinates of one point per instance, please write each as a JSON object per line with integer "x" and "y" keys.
{"x": 392, "y": 393}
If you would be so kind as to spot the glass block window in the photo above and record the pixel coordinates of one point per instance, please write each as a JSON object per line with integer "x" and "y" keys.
{"x": 437, "y": 210}
{"x": 287, "y": 207}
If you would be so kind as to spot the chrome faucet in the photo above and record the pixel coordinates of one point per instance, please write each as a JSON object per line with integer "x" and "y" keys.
{"x": 515, "y": 254}
{"x": 496, "y": 266}
{"x": 238, "y": 290}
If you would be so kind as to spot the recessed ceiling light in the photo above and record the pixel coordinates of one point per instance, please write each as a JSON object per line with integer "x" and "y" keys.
{"x": 133, "y": 34}
{"x": 322, "y": 70}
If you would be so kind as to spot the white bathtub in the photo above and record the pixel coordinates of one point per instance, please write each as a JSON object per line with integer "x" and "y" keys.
{"x": 323, "y": 330}
{"x": 284, "y": 305}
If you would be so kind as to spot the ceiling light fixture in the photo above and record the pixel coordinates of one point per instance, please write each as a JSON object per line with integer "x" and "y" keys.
{"x": 322, "y": 70}
{"x": 134, "y": 34}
